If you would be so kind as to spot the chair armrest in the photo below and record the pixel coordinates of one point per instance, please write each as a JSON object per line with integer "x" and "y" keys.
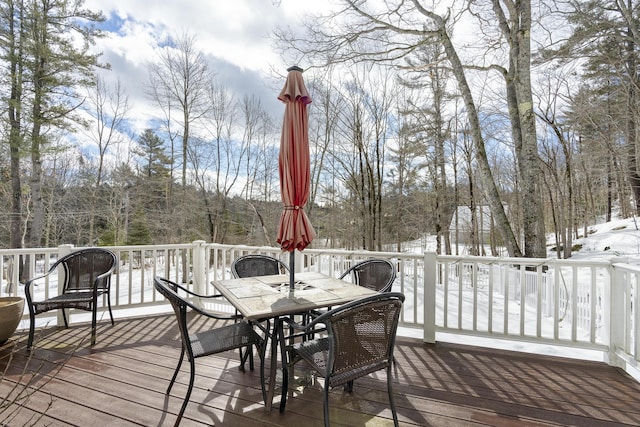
{"x": 308, "y": 326}
{"x": 213, "y": 315}
{"x": 201, "y": 311}
{"x": 188, "y": 292}
{"x": 32, "y": 282}
{"x": 104, "y": 275}
{"x": 97, "y": 282}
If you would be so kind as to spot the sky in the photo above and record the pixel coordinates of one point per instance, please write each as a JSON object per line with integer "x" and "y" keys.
{"x": 234, "y": 35}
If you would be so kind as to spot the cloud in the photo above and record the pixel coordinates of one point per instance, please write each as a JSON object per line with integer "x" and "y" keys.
{"x": 233, "y": 35}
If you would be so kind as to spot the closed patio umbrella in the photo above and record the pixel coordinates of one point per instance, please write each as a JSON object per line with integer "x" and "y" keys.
{"x": 295, "y": 230}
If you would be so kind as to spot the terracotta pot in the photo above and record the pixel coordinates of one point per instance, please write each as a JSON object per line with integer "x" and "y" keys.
{"x": 11, "y": 309}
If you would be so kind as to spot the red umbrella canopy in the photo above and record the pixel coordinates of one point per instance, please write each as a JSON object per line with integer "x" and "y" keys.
{"x": 295, "y": 230}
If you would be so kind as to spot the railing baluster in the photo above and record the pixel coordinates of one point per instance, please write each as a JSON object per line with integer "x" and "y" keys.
{"x": 454, "y": 294}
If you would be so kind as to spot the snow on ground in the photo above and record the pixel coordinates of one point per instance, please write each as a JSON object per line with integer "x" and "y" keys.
{"x": 617, "y": 240}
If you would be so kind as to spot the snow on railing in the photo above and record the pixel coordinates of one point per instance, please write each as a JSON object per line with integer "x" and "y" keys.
{"x": 582, "y": 304}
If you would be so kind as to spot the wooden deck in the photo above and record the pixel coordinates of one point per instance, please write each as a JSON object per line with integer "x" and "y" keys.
{"x": 121, "y": 381}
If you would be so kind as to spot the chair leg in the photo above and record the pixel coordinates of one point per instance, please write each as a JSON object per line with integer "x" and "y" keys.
{"x": 175, "y": 373}
{"x": 64, "y": 317}
{"x": 243, "y": 358}
{"x": 391, "y": 402}
{"x": 348, "y": 386}
{"x": 94, "y": 316}
{"x": 110, "y": 312}
{"x": 32, "y": 329}
{"x": 325, "y": 404}
{"x": 248, "y": 354}
{"x": 192, "y": 376}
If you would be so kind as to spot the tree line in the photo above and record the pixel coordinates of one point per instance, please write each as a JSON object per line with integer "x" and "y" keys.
{"x": 488, "y": 143}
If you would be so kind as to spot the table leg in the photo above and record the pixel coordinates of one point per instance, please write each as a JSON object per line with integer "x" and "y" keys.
{"x": 273, "y": 368}
{"x": 285, "y": 367}
{"x": 263, "y": 355}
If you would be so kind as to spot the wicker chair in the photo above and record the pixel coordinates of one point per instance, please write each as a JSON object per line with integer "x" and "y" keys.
{"x": 360, "y": 340}
{"x": 251, "y": 265}
{"x": 375, "y": 274}
{"x": 257, "y": 265}
{"x": 199, "y": 344}
{"x": 87, "y": 275}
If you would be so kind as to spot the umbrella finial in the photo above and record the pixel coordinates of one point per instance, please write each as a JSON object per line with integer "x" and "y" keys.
{"x": 295, "y": 68}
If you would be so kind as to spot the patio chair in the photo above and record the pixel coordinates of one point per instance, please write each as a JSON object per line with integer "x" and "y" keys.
{"x": 375, "y": 274}
{"x": 199, "y": 344}
{"x": 257, "y": 265}
{"x": 87, "y": 275}
{"x": 251, "y": 265}
{"x": 360, "y": 340}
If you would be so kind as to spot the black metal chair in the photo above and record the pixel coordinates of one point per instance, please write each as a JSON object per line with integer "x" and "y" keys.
{"x": 360, "y": 340}
{"x": 375, "y": 274}
{"x": 199, "y": 344}
{"x": 257, "y": 265}
{"x": 87, "y": 275}
{"x": 252, "y": 265}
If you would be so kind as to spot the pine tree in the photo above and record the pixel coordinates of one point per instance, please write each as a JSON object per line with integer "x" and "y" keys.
{"x": 139, "y": 233}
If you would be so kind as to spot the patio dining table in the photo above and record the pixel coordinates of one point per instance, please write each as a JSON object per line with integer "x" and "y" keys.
{"x": 271, "y": 298}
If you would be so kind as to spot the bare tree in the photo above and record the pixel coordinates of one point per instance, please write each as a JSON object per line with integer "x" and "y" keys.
{"x": 395, "y": 31}
{"x": 55, "y": 63}
{"x": 363, "y": 131}
{"x": 407, "y": 165}
{"x": 515, "y": 25}
{"x": 606, "y": 33}
{"x": 559, "y": 161}
{"x": 179, "y": 83}
{"x": 258, "y": 139}
{"x": 110, "y": 107}
{"x": 224, "y": 157}
{"x": 431, "y": 128}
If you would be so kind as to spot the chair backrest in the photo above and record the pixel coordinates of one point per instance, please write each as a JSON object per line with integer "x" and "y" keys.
{"x": 257, "y": 265}
{"x": 169, "y": 290}
{"x": 375, "y": 274}
{"x": 87, "y": 267}
{"x": 362, "y": 335}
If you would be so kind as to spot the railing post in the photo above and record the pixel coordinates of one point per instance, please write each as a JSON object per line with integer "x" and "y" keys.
{"x": 429, "y": 303}
{"x": 613, "y": 316}
{"x": 63, "y": 250}
{"x": 199, "y": 273}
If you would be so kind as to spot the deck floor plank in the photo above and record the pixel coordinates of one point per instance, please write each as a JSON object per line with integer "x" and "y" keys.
{"x": 123, "y": 378}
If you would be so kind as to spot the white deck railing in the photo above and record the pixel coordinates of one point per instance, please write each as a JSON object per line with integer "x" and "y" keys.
{"x": 579, "y": 304}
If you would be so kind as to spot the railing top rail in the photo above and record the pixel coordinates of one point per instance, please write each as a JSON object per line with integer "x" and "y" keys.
{"x": 352, "y": 253}
{"x": 626, "y": 267}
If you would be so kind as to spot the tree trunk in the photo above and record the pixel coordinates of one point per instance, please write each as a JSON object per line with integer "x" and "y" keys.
{"x": 486, "y": 176}
{"x": 37, "y": 224}
{"x": 632, "y": 155}
{"x": 15, "y": 129}
{"x": 516, "y": 28}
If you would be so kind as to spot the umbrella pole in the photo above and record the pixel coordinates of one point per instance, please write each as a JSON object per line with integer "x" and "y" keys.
{"x": 292, "y": 269}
